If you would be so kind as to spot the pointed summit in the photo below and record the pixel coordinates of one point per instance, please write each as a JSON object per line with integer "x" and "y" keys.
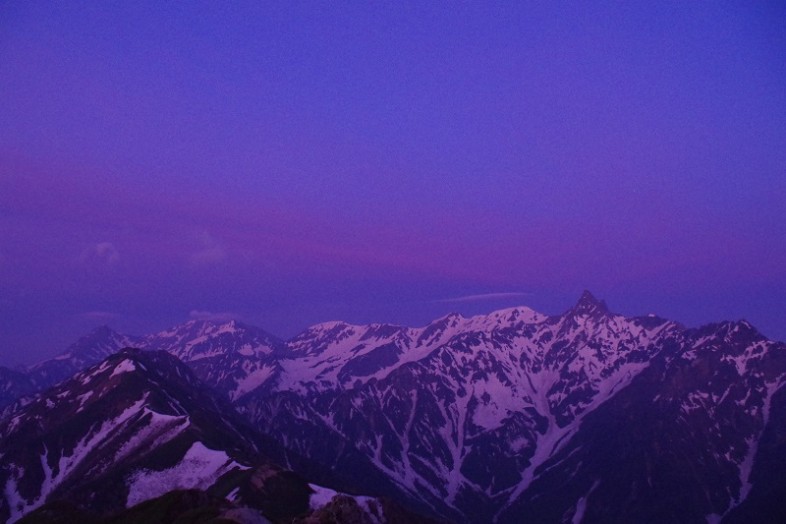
{"x": 589, "y": 305}
{"x": 103, "y": 332}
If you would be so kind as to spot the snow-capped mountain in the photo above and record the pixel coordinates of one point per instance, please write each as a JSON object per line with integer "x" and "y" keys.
{"x": 134, "y": 429}
{"x": 88, "y": 350}
{"x": 462, "y": 412}
{"x": 490, "y": 418}
{"x": 584, "y": 416}
{"x": 679, "y": 444}
{"x": 230, "y": 356}
{"x": 126, "y": 430}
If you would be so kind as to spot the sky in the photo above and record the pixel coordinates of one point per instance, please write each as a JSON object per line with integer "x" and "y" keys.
{"x": 288, "y": 163}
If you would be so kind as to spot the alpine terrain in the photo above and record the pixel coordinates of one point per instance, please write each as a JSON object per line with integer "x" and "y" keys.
{"x": 509, "y": 417}
{"x": 138, "y": 438}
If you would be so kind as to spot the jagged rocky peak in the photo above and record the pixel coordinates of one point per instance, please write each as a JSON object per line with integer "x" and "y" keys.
{"x": 590, "y": 306}
{"x": 223, "y": 324}
{"x": 453, "y": 316}
{"x": 326, "y": 330}
{"x": 202, "y": 338}
{"x": 379, "y": 331}
{"x": 99, "y": 335}
{"x": 203, "y": 327}
{"x": 134, "y": 361}
{"x": 86, "y": 351}
{"x": 730, "y": 334}
{"x": 330, "y": 326}
{"x": 317, "y": 338}
{"x": 449, "y": 320}
{"x": 744, "y": 329}
{"x": 513, "y": 316}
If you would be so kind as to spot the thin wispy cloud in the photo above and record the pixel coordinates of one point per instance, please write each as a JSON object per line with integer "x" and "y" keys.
{"x": 484, "y": 296}
{"x": 195, "y": 314}
{"x": 102, "y": 253}
{"x": 210, "y": 253}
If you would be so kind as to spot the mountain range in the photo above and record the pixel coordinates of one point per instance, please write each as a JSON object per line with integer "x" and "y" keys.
{"x": 514, "y": 416}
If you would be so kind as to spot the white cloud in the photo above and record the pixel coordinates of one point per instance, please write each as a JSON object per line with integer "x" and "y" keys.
{"x": 209, "y": 315}
{"x": 210, "y": 253}
{"x": 104, "y": 253}
{"x": 485, "y": 296}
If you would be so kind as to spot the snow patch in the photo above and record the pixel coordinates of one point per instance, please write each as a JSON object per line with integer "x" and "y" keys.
{"x": 581, "y": 505}
{"x": 490, "y": 414}
{"x": 161, "y": 428}
{"x": 252, "y": 381}
{"x": 66, "y": 467}
{"x": 199, "y": 468}
{"x": 321, "y": 496}
{"x": 246, "y": 350}
{"x": 125, "y": 366}
{"x": 82, "y": 399}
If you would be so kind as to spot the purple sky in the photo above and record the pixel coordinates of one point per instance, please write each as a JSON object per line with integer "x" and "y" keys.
{"x": 291, "y": 163}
